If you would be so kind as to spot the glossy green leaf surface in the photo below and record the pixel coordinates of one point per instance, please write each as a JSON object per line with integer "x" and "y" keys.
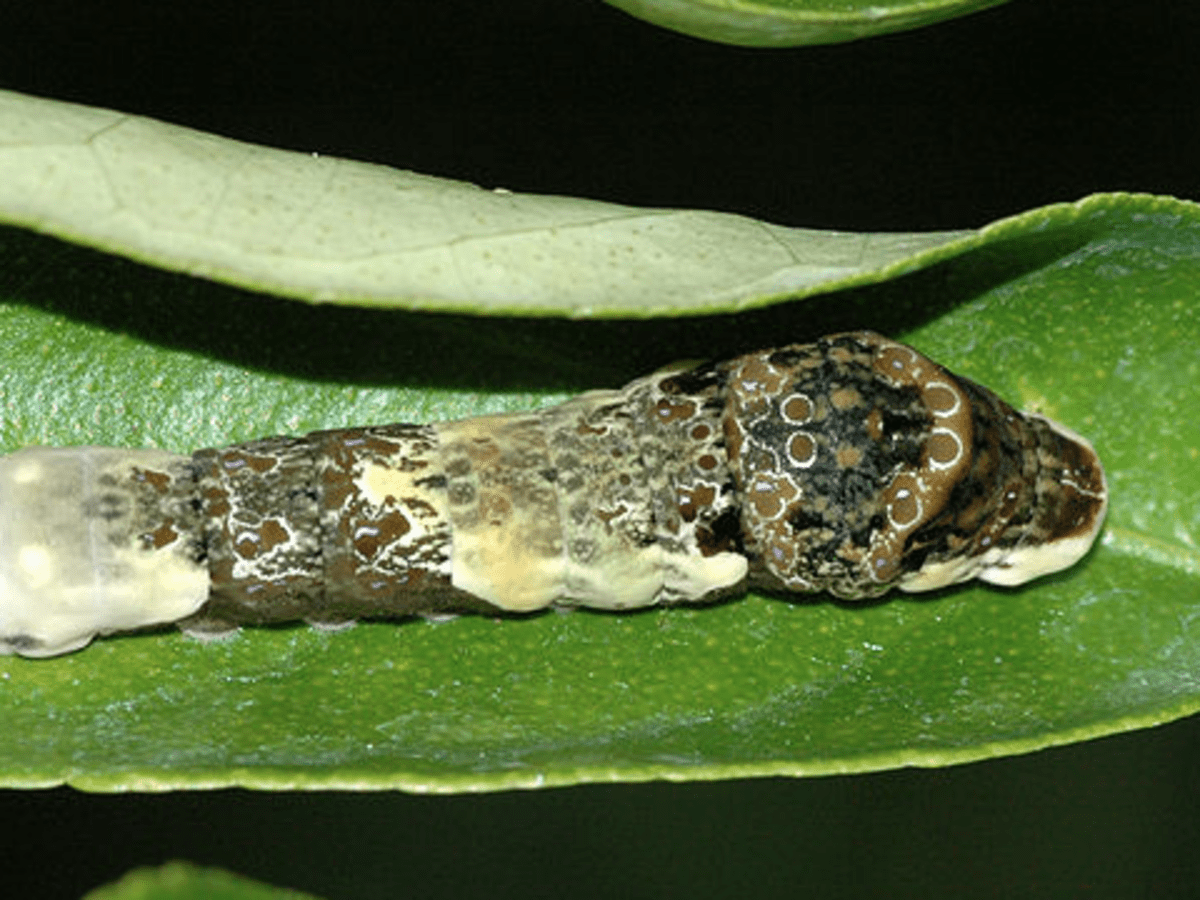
{"x": 331, "y": 230}
{"x": 1086, "y": 312}
{"x": 184, "y": 881}
{"x": 791, "y": 23}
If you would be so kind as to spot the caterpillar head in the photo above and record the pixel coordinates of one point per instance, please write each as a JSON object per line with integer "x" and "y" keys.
{"x": 863, "y": 466}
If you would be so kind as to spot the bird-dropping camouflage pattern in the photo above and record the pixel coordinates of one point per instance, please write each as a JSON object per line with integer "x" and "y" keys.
{"x": 850, "y": 465}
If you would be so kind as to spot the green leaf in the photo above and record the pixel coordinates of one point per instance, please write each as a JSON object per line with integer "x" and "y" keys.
{"x": 184, "y": 881}
{"x": 1087, "y": 312}
{"x": 335, "y": 231}
{"x": 790, "y": 23}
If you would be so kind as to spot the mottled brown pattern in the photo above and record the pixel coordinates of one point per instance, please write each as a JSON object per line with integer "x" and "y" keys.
{"x": 693, "y": 494}
{"x": 249, "y": 493}
{"x": 159, "y": 496}
{"x": 385, "y": 535}
{"x": 329, "y": 527}
{"x": 607, "y": 519}
{"x": 641, "y": 480}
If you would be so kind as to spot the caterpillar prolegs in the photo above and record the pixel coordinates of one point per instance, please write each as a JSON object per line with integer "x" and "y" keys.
{"x": 850, "y": 465}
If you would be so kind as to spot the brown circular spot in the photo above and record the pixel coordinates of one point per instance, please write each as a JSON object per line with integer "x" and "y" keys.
{"x": 883, "y": 566}
{"x": 672, "y": 411}
{"x": 845, "y": 397}
{"x": 905, "y": 508}
{"x": 944, "y": 448}
{"x": 941, "y": 398}
{"x": 903, "y": 502}
{"x": 848, "y": 457}
{"x": 802, "y": 449}
{"x": 893, "y": 362}
{"x": 708, "y": 462}
{"x": 701, "y": 432}
{"x": 247, "y": 546}
{"x": 797, "y": 408}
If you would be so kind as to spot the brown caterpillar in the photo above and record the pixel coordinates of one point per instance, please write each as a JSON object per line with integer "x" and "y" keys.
{"x": 850, "y": 465}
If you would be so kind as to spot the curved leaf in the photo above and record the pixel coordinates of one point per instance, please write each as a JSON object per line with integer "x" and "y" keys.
{"x": 331, "y": 230}
{"x": 1087, "y": 312}
{"x": 790, "y": 23}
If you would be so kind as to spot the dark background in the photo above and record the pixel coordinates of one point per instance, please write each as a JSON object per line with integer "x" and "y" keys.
{"x": 947, "y": 127}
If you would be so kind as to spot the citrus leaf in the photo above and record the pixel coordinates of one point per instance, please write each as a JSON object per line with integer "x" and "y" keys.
{"x": 1086, "y": 312}
{"x": 184, "y": 881}
{"x": 331, "y": 230}
{"x": 791, "y": 23}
